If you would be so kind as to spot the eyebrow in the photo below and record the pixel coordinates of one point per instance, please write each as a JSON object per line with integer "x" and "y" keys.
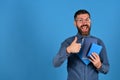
{"x": 82, "y": 18}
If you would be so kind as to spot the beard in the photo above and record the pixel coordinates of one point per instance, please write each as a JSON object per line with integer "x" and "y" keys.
{"x": 83, "y": 32}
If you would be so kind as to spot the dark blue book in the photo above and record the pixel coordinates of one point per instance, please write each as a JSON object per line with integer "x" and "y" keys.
{"x": 88, "y": 47}
{"x": 85, "y": 47}
{"x": 94, "y": 48}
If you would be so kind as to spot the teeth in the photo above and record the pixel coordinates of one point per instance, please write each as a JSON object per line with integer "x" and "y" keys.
{"x": 84, "y": 27}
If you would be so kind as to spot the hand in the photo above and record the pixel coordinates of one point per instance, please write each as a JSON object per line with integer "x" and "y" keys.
{"x": 95, "y": 59}
{"x": 74, "y": 47}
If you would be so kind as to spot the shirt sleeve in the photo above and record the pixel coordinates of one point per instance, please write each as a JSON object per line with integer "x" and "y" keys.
{"x": 104, "y": 59}
{"x": 62, "y": 55}
{"x": 104, "y": 69}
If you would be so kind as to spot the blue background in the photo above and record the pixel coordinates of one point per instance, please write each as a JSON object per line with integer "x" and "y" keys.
{"x": 31, "y": 32}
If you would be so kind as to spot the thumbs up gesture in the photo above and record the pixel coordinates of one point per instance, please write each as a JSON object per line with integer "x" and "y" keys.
{"x": 74, "y": 47}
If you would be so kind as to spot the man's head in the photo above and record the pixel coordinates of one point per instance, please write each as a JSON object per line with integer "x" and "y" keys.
{"x": 82, "y": 22}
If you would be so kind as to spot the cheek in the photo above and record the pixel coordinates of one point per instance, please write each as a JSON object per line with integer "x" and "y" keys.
{"x": 79, "y": 24}
{"x": 88, "y": 24}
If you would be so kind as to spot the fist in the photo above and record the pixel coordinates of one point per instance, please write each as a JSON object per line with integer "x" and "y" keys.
{"x": 74, "y": 47}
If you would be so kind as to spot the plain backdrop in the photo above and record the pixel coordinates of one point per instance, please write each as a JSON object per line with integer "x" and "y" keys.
{"x": 31, "y": 32}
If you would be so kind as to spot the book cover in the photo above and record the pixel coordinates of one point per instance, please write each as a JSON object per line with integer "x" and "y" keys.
{"x": 94, "y": 48}
{"x": 89, "y": 46}
{"x": 86, "y": 45}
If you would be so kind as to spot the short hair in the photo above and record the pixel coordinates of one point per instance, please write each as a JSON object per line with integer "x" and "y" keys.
{"x": 82, "y": 11}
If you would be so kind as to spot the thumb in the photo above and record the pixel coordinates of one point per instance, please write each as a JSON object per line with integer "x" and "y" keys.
{"x": 75, "y": 40}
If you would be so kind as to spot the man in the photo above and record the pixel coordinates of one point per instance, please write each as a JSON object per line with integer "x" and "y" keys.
{"x": 73, "y": 47}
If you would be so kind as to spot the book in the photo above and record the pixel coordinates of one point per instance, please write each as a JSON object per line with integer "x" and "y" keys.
{"x": 89, "y": 45}
{"x": 86, "y": 46}
{"x": 94, "y": 48}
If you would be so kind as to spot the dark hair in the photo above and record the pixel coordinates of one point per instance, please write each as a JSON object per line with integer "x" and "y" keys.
{"x": 82, "y": 11}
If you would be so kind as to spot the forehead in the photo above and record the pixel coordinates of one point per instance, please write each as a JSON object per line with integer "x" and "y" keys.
{"x": 83, "y": 16}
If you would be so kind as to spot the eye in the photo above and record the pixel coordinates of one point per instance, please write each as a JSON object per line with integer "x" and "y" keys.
{"x": 80, "y": 20}
{"x": 87, "y": 20}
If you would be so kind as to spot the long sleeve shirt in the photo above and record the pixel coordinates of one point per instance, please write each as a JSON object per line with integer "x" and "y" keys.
{"x": 76, "y": 68}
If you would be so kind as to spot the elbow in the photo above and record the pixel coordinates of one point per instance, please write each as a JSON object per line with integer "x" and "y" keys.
{"x": 106, "y": 71}
{"x": 55, "y": 64}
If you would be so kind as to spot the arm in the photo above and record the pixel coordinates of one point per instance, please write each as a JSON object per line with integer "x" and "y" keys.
{"x": 104, "y": 61}
{"x": 61, "y": 56}
{"x": 65, "y": 51}
{"x": 100, "y": 61}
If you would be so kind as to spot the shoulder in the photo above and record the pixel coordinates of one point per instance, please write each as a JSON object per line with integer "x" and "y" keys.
{"x": 99, "y": 41}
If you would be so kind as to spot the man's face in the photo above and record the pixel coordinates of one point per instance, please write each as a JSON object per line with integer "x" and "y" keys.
{"x": 82, "y": 23}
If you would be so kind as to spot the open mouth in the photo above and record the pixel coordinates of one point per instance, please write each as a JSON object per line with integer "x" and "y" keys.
{"x": 84, "y": 28}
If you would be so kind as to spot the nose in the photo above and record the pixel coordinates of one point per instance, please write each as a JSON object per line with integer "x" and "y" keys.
{"x": 84, "y": 22}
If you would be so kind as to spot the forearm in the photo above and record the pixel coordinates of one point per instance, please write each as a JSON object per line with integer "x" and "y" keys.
{"x": 104, "y": 60}
{"x": 60, "y": 57}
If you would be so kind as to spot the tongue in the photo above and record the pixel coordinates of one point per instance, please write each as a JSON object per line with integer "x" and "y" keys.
{"x": 84, "y": 29}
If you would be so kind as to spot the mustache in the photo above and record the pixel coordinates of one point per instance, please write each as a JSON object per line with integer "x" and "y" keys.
{"x": 84, "y": 25}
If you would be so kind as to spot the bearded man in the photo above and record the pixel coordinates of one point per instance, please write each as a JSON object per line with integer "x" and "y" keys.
{"x": 74, "y": 49}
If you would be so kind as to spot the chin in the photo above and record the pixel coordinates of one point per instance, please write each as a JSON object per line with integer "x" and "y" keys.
{"x": 85, "y": 33}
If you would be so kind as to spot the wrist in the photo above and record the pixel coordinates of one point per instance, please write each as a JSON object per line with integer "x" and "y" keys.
{"x": 98, "y": 67}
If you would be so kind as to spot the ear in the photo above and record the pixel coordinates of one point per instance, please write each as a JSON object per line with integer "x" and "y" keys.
{"x": 75, "y": 23}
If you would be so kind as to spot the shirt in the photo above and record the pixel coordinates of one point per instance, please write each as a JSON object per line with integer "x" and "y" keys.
{"x": 76, "y": 68}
